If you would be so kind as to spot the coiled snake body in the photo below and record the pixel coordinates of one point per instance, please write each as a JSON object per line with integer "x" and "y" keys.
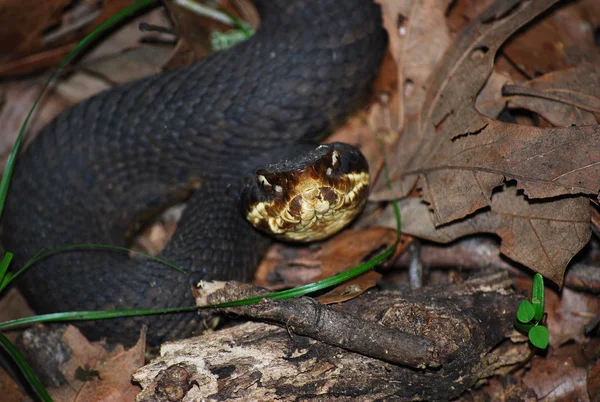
{"x": 137, "y": 147}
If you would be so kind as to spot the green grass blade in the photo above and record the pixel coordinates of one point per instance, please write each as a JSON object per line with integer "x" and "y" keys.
{"x": 312, "y": 287}
{"x": 90, "y": 315}
{"x": 6, "y": 176}
{"x": 286, "y": 294}
{"x": 43, "y": 254}
{"x": 4, "y": 265}
{"x": 30, "y": 376}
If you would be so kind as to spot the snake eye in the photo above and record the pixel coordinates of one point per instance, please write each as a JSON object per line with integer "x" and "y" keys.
{"x": 264, "y": 182}
{"x": 335, "y": 162}
{"x": 335, "y": 159}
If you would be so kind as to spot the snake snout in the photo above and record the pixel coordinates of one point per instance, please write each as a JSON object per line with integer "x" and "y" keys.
{"x": 308, "y": 197}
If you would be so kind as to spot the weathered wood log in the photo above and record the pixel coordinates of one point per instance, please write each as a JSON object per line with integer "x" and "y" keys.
{"x": 258, "y": 361}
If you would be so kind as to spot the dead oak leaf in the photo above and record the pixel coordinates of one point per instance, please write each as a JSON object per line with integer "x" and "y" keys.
{"x": 564, "y": 98}
{"x": 543, "y": 236}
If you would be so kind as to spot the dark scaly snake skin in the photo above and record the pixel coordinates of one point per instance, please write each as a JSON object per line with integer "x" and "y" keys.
{"x": 89, "y": 173}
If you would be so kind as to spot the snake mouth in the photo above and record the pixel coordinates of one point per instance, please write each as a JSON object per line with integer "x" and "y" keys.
{"x": 309, "y": 197}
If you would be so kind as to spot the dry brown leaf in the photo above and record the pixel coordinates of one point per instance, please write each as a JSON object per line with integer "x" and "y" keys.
{"x": 9, "y": 389}
{"x": 287, "y": 266}
{"x": 130, "y": 64}
{"x": 563, "y": 38}
{"x": 130, "y": 53}
{"x": 463, "y": 156}
{"x": 351, "y": 289}
{"x": 593, "y": 382}
{"x": 556, "y": 379}
{"x": 459, "y": 174}
{"x": 460, "y": 13}
{"x": 418, "y": 37}
{"x": 293, "y": 266}
{"x": 564, "y": 98}
{"x": 568, "y": 312}
{"x": 490, "y": 101}
{"x": 542, "y": 236}
{"x": 113, "y": 380}
{"x": 46, "y": 31}
{"x": 351, "y": 247}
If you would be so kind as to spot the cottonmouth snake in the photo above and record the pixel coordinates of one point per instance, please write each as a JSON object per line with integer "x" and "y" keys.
{"x": 137, "y": 147}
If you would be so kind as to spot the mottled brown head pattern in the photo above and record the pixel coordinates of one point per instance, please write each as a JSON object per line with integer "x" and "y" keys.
{"x": 308, "y": 197}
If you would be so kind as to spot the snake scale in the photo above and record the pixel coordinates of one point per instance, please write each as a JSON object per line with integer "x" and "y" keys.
{"x": 95, "y": 168}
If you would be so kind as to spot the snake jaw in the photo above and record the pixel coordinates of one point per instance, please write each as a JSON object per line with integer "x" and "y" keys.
{"x": 309, "y": 197}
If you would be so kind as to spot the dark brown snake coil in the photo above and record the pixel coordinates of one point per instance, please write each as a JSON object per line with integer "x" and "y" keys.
{"x": 102, "y": 165}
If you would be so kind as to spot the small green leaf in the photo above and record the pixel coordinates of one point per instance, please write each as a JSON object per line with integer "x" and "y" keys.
{"x": 539, "y": 336}
{"x": 537, "y": 296}
{"x": 525, "y": 312}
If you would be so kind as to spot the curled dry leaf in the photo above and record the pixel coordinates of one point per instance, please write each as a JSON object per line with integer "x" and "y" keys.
{"x": 461, "y": 156}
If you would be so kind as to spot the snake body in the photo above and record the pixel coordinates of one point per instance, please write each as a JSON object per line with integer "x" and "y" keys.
{"x": 107, "y": 161}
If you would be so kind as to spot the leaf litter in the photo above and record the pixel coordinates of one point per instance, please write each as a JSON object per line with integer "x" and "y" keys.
{"x": 536, "y": 182}
{"x": 529, "y": 185}
{"x": 458, "y": 170}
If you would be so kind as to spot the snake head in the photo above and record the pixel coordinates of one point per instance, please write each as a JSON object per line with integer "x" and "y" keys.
{"x": 307, "y": 197}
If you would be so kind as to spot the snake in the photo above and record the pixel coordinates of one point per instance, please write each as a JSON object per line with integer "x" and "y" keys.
{"x": 227, "y": 134}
